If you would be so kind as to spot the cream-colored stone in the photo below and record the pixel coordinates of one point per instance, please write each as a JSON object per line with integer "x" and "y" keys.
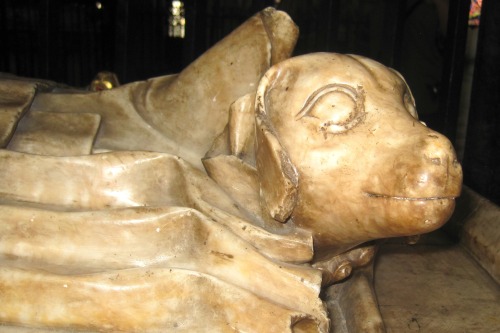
{"x": 367, "y": 168}
{"x": 93, "y": 252}
{"x": 55, "y": 133}
{"x": 475, "y": 223}
{"x": 282, "y": 176}
{"x": 435, "y": 286}
{"x": 181, "y": 114}
{"x": 15, "y": 98}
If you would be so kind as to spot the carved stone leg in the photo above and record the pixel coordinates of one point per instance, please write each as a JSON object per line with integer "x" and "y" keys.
{"x": 353, "y": 304}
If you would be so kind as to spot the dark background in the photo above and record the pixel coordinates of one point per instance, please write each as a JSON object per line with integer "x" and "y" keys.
{"x": 69, "y": 41}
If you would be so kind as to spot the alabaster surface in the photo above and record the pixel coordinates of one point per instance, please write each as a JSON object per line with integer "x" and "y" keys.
{"x": 221, "y": 199}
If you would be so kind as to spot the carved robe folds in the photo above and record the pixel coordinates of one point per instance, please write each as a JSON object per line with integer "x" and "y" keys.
{"x": 221, "y": 199}
{"x": 133, "y": 241}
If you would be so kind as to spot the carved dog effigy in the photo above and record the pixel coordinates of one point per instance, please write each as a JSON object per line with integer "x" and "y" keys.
{"x": 221, "y": 199}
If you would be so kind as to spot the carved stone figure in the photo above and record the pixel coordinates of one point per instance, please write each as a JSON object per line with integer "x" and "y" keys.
{"x": 221, "y": 199}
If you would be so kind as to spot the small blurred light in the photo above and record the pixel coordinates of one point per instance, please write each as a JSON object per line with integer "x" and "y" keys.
{"x": 98, "y": 5}
{"x": 176, "y": 20}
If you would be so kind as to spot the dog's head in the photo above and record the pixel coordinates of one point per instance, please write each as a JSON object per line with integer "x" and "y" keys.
{"x": 341, "y": 152}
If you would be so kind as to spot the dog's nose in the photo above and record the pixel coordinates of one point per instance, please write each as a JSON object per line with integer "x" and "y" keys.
{"x": 439, "y": 151}
{"x": 440, "y": 167}
{"x": 427, "y": 168}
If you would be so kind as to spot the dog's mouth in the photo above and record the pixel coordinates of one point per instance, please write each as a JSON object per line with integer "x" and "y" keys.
{"x": 404, "y": 198}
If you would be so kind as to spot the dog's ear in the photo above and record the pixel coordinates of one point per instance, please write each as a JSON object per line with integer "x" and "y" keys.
{"x": 278, "y": 177}
{"x": 241, "y": 127}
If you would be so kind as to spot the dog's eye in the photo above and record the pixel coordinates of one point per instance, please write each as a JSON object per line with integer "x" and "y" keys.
{"x": 336, "y": 108}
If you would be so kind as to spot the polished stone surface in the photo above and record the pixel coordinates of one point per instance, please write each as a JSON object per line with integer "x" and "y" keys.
{"x": 435, "y": 286}
{"x": 309, "y": 162}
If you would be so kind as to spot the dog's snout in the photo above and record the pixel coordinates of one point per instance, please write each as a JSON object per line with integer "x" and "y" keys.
{"x": 440, "y": 156}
